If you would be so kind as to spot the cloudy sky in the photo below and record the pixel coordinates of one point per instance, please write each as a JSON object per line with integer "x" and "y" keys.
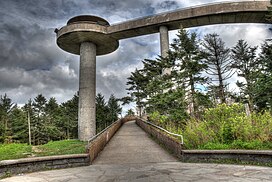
{"x": 31, "y": 63}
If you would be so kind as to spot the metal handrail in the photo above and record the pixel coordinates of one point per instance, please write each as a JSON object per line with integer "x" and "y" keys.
{"x": 174, "y": 134}
{"x": 98, "y": 134}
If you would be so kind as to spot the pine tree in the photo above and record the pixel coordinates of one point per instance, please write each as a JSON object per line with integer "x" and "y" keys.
{"x": 52, "y": 111}
{"x": 39, "y": 120}
{"x": 6, "y": 107}
{"x": 185, "y": 52}
{"x": 247, "y": 65}
{"x": 114, "y": 108}
{"x": 217, "y": 58}
{"x": 263, "y": 86}
{"x": 102, "y": 111}
{"x": 137, "y": 83}
{"x": 130, "y": 112}
{"x": 19, "y": 125}
{"x": 69, "y": 118}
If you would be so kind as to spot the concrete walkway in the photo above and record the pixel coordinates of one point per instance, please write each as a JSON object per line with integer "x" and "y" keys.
{"x": 132, "y": 156}
{"x": 131, "y": 145}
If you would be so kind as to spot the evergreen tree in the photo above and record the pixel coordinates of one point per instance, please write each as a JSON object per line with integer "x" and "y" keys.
{"x": 186, "y": 54}
{"x": 6, "y": 107}
{"x": 263, "y": 86}
{"x": 217, "y": 58}
{"x": 69, "y": 118}
{"x": 19, "y": 125}
{"x": 38, "y": 128}
{"x": 130, "y": 112}
{"x": 114, "y": 108}
{"x": 247, "y": 65}
{"x": 102, "y": 111}
{"x": 52, "y": 111}
{"x": 137, "y": 85}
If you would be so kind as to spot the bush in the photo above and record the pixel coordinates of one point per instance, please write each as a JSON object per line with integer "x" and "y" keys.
{"x": 228, "y": 126}
{"x": 222, "y": 127}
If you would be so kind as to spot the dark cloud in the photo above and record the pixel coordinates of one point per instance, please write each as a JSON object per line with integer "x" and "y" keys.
{"x": 31, "y": 62}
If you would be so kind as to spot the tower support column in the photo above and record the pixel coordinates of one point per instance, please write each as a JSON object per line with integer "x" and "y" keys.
{"x": 164, "y": 41}
{"x": 87, "y": 91}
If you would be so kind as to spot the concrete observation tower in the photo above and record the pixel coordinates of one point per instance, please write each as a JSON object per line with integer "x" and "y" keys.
{"x": 89, "y": 36}
{"x": 86, "y": 36}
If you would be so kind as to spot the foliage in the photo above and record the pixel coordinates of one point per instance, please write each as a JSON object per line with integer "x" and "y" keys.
{"x": 130, "y": 112}
{"x": 247, "y": 65}
{"x": 6, "y": 107}
{"x": 227, "y": 125}
{"x": 217, "y": 58}
{"x": 49, "y": 121}
{"x": 238, "y": 144}
{"x": 106, "y": 113}
{"x": 68, "y": 118}
{"x": 114, "y": 109}
{"x": 186, "y": 54}
{"x": 262, "y": 88}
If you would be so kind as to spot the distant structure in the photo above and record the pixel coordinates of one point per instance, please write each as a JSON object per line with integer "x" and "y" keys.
{"x": 89, "y": 36}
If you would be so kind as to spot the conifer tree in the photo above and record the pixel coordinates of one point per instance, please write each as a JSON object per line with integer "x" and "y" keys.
{"x": 101, "y": 112}
{"x": 247, "y": 65}
{"x": 113, "y": 108}
{"x": 6, "y": 107}
{"x": 217, "y": 58}
{"x": 186, "y": 55}
{"x": 263, "y": 86}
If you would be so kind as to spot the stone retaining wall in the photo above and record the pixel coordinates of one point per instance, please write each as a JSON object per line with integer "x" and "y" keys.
{"x": 18, "y": 166}
{"x": 260, "y": 157}
{"x": 168, "y": 142}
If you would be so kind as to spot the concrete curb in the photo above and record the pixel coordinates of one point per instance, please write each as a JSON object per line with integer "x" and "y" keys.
{"x": 259, "y": 157}
{"x": 11, "y": 167}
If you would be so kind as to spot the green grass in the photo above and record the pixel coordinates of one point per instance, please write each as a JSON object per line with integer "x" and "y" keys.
{"x": 61, "y": 148}
{"x": 16, "y": 151}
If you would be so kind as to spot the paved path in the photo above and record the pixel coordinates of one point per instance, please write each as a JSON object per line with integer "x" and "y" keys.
{"x": 131, "y": 145}
{"x": 132, "y": 156}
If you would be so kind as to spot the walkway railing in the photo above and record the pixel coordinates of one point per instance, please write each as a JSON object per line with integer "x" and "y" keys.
{"x": 168, "y": 132}
{"x": 186, "y": 8}
{"x": 98, "y": 134}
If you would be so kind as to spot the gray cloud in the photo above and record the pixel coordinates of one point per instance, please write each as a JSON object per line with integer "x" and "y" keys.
{"x": 31, "y": 63}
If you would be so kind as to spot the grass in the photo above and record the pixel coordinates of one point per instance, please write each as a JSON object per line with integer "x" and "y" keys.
{"x": 61, "y": 148}
{"x": 16, "y": 151}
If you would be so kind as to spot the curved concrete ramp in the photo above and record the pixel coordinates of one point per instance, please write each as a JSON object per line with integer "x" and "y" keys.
{"x": 131, "y": 145}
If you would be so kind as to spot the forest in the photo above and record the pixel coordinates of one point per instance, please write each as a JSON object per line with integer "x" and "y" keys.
{"x": 193, "y": 96}
{"x": 40, "y": 120}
